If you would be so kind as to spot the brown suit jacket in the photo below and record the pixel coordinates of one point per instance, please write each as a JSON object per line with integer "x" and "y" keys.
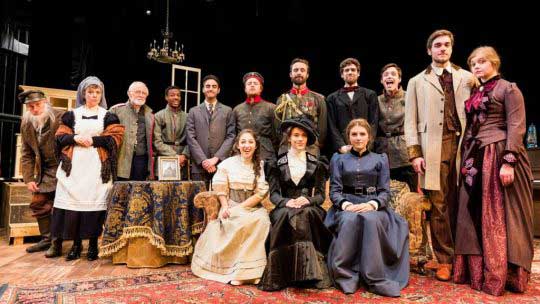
{"x": 39, "y": 161}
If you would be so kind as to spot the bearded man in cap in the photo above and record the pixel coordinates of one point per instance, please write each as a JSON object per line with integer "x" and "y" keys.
{"x": 258, "y": 115}
{"x": 39, "y": 161}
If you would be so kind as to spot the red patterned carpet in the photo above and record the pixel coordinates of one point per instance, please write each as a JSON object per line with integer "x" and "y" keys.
{"x": 182, "y": 286}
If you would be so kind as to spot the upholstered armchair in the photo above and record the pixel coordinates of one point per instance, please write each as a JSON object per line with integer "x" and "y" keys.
{"x": 412, "y": 206}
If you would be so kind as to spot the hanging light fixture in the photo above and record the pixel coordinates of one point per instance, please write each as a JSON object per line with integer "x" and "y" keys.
{"x": 165, "y": 54}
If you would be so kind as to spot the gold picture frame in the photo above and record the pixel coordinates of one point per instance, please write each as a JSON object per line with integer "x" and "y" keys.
{"x": 169, "y": 168}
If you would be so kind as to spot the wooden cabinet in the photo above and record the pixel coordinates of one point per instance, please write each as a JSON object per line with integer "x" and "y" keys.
{"x": 60, "y": 99}
{"x": 16, "y": 213}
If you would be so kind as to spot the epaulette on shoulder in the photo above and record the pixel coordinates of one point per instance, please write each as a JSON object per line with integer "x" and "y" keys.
{"x": 318, "y": 94}
{"x": 118, "y": 105}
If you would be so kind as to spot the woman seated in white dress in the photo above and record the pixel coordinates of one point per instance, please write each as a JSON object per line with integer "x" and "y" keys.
{"x": 231, "y": 249}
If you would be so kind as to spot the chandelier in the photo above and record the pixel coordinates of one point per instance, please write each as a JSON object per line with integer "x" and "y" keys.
{"x": 165, "y": 54}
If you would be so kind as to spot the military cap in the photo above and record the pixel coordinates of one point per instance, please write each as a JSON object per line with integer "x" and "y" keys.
{"x": 253, "y": 75}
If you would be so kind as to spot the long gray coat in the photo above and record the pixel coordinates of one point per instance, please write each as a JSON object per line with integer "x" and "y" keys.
{"x": 424, "y": 115}
{"x": 207, "y": 140}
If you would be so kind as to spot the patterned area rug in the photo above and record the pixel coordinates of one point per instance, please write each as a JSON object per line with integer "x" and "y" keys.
{"x": 181, "y": 286}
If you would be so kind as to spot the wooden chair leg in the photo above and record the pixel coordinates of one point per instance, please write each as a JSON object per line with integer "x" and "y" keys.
{"x": 18, "y": 241}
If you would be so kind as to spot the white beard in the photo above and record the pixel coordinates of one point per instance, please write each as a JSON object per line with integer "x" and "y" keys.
{"x": 38, "y": 121}
{"x": 138, "y": 102}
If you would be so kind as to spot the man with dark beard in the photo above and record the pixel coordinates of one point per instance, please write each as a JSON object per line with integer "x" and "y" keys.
{"x": 300, "y": 100}
{"x": 39, "y": 161}
{"x": 348, "y": 103}
{"x": 170, "y": 129}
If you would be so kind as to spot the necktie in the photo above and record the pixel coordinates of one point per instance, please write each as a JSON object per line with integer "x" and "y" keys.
{"x": 211, "y": 110}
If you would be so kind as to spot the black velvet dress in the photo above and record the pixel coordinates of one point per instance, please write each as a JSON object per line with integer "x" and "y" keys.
{"x": 298, "y": 240}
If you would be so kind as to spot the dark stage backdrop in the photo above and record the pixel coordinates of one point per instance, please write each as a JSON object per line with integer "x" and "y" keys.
{"x": 110, "y": 39}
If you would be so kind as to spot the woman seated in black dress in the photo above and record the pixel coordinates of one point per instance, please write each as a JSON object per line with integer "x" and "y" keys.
{"x": 298, "y": 240}
{"x": 371, "y": 243}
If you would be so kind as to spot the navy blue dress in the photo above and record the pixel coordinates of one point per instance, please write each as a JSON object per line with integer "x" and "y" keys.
{"x": 369, "y": 249}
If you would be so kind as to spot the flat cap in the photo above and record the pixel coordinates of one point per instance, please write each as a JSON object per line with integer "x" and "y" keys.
{"x": 31, "y": 96}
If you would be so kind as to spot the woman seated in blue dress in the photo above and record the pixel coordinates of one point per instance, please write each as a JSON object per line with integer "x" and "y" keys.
{"x": 298, "y": 240}
{"x": 370, "y": 246}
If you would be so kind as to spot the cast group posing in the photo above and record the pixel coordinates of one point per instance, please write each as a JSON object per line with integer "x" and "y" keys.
{"x": 457, "y": 136}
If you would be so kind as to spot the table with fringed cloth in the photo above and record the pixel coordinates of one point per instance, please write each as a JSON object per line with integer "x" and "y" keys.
{"x": 152, "y": 223}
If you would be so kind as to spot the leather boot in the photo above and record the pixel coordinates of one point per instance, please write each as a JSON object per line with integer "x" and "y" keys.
{"x": 444, "y": 272}
{"x": 44, "y": 225}
{"x": 93, "y": 251}
{"x": 55, "y": 250}
{"x": 75, "y": 251}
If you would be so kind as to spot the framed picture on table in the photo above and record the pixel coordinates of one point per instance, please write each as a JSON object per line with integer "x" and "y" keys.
{"x": 169, "y": 168}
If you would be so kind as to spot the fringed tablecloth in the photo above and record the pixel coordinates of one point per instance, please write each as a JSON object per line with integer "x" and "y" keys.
{"x": 150, "y": 224}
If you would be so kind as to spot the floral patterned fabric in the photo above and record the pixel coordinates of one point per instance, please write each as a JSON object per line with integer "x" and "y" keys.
{"x": 162, "y": 212}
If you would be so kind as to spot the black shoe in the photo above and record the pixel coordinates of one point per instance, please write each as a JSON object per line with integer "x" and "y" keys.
{"x": 44, "y": 225}
{"x": 93, "y": 251}
{"x": 55, "y": 250}
{"x": 75, "y": 251}
{"x": 42, "y": 245}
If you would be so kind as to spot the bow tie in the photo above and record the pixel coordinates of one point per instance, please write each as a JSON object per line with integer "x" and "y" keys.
{"x": 349, "y": 89}
{"x": 90, "y": 117}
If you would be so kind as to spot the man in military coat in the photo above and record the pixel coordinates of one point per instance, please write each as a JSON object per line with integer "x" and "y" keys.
{"x": 300, "y": 100}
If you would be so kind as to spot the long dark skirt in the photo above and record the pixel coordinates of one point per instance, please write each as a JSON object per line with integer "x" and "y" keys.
{"x": 369, "y": 249}
{"x": 71, "y": 225}
{"x": 298, "y": 243}
{"x": 494, "y": 240}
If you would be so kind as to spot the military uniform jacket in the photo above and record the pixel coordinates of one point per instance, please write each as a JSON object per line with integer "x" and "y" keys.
{"x": 311, "y": 104}
{"x": 391, "y": 138}
{"x": 260, "y": 118}
{"x": 38, "y": 160}
{"x": 128, "y": 117}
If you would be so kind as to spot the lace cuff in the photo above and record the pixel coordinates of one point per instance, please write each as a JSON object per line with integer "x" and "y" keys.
{"x": 509, "y": 158}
